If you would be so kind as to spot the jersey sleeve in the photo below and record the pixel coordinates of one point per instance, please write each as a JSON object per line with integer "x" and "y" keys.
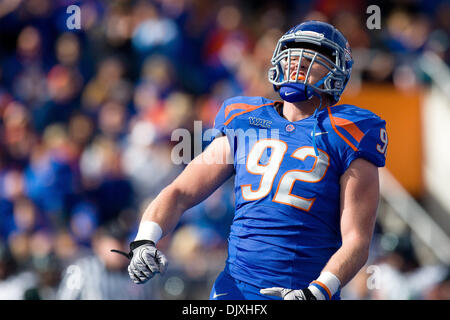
{"x": 372, "y": 145}
{"x": 219, "y": 121}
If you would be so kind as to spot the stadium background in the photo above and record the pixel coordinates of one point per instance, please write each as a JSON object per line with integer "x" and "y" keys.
{"x": 86, "y": 118}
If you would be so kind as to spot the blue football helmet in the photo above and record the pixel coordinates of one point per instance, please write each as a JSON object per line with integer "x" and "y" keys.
{"x": 320, "y": 43}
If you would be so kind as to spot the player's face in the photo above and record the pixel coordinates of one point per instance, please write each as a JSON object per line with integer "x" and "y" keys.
{"x": 318, "y": 71}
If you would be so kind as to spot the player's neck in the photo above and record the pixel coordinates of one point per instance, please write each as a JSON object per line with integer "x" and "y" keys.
{"x": 300, "y": 110}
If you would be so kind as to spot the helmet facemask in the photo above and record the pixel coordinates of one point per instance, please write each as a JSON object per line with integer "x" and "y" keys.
{"x": 315, "y": 50}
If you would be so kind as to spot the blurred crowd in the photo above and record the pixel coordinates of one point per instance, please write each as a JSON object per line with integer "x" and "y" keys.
{"x": 86, "y": 117}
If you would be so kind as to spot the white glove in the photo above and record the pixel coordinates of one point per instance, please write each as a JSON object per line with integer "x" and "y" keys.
{"x": 321, "y": 289}
{"x": 145, "y": 262}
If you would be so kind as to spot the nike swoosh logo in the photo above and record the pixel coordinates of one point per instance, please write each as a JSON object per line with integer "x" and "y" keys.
{"x": 289, "y": 93}
{"x": 219, "y": 295}
{"x": 319, "y": 133}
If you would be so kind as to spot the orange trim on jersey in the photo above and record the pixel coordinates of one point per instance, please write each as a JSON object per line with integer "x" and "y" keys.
{"x": 324, "y": 287}
{"x": 340, "y": 134}
{"x": 246, "y": 107}
{"x": 350, "y": 127}
{"x": 236, "y": 106}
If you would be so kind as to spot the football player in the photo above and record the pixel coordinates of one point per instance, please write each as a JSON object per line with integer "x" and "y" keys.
{"x": 306, "y": 198}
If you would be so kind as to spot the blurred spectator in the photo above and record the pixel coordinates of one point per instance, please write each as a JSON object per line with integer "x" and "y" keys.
{"x": 68, "y": 49}
{"x": 103, "y": 179}
{"x": 46, "y": 266}
{"x": 441, "y": 290}
{"x": 153, "y": 33}
{"x": 17, "y": 134}
{"x": 102, "y": 274}
{"x": 49, "y": 179}
{"x": 13, "y": 284}
{"x": 147, "y": 162}
{"x": 112, "y": 119}
{"x": 107, "y": 84}
{"x": 83, "y": 223}
{"x": 395, "y": 274}
{"x": 65, "y": 248}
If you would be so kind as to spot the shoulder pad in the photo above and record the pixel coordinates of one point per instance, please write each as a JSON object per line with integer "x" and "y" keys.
{"x": 236, "y": 106}
{"x": 362, "y": 130}
{"x": 351, "y": 123}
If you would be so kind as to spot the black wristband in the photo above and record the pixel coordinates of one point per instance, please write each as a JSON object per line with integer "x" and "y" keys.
{"x": 308, "y": 294}
{"x": 135, "y": 244}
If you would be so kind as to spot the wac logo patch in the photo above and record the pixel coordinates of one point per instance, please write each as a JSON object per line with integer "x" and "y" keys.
{"x": 258, "y": 122}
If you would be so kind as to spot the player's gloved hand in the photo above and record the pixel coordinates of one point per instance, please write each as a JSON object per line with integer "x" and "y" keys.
{"x": 145, "y": 262}
{"x": 290, "y": 294}
{"x": 321, "y": 289}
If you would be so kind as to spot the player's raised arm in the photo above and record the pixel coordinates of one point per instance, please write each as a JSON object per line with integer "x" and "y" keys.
{"x": 198, "y": 180}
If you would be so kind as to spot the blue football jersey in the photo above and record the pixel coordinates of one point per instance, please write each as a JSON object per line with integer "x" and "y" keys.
{"x": 287, "y": 216}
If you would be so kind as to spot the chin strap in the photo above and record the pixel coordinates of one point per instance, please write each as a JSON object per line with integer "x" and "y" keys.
{"x": 315, "y": 124}
{"x": 296, "y": 92}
